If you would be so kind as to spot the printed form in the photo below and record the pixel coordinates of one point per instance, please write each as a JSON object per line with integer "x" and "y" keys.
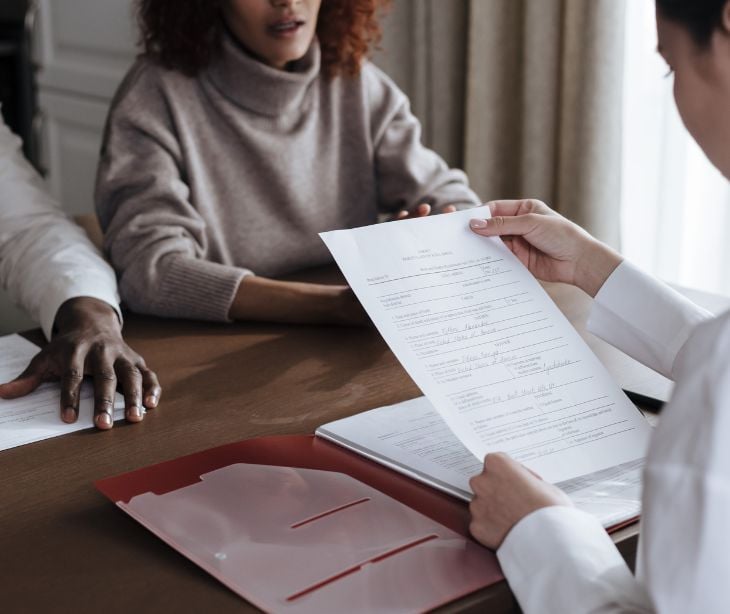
{"x": 488, "y": 347}
{"x": 412, "y": 438}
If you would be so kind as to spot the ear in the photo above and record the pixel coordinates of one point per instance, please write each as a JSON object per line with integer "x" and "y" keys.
{"x": 726, "y": 17}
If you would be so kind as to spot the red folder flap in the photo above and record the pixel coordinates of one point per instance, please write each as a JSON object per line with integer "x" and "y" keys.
{"x": 305, "y": 451}
{"x": 375, "y": 539}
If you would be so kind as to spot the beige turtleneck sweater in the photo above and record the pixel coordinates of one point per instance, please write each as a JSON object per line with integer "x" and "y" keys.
{"x": 204, "y": 180}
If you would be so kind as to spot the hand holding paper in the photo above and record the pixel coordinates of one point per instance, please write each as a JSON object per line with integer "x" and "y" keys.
{"x": 552, "y": 247}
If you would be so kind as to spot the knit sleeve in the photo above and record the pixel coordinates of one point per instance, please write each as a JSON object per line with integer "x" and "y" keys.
{"x": 407, "y": 172}
{"x": 154, "y": 235}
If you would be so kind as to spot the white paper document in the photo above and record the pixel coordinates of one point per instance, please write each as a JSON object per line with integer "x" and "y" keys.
{"x": 488, "y": 347}
{"x": 38, "y": 415}
{"x": 412, "y": 438}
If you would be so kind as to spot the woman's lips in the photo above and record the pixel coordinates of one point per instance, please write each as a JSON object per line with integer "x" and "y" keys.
{"x": 286, "y": 28}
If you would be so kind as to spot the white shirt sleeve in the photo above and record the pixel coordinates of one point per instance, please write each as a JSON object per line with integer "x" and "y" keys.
{"x": 644, "y": 317}
{"x": 684, "y": 550}
{"x": 45, "y": 259}
{"x": 560, "y": 559}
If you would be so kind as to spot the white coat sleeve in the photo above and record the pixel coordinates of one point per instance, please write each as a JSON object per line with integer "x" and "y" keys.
{"x": 684, "y": 550}
{"x": 644, "y": 317}
{"x": 45, "y": 259}
{"x": 560, "y": 559}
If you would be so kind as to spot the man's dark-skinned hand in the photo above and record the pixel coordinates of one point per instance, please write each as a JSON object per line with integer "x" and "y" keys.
{"x": 88, "y": 340}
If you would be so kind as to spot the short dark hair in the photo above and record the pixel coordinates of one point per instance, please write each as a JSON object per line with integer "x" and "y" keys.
{"x": 700, "y": 17}
{"x": 186, "y": 35}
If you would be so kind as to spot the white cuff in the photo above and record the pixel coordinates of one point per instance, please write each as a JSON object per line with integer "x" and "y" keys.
{"x": 643, "y": 317}
{"x": 560, "y": 559}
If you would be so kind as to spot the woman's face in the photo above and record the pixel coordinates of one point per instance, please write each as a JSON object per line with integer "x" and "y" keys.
{"x": 701, "y": 85}
{"x": 276, "y": 31}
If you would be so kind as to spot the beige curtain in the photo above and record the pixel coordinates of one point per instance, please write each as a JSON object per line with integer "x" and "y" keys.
{"x": 525, "y": 95}
{"x": 424, "y": 50}
{"x": 543, "y": 105}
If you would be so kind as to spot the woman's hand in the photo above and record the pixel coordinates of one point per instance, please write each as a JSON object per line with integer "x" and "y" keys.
{"x": 549, "y": 245}
{"x": 504, "y": 493}
{"x": 89, "y": 341}
{"x": 423, "y": 210}
{"x": 269, "y": 300}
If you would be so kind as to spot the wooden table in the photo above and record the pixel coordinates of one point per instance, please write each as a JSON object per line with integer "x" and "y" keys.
{"x": 65, "y": 548}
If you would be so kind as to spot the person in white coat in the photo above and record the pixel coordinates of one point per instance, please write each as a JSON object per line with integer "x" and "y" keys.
{"x": 555, "y": 557}
{"x": 52, "y": 270}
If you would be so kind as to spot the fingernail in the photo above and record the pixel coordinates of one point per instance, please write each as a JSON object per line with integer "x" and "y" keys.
{"x": 151, "y": 401}
{"x": 103, "y": 420}
{"x": 69, "y": 415}
{"x": 478, "y": 223}
{"x": 135, "y": 413}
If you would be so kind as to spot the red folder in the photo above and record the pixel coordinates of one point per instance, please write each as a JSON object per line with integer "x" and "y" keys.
{"x": 298, "y": 524}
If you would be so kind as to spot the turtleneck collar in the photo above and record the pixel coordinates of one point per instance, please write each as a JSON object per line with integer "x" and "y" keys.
{"x": 258, "y": 87}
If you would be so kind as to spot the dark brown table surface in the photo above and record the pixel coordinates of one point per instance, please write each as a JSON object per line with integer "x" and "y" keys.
{"x": 65, "y": 548}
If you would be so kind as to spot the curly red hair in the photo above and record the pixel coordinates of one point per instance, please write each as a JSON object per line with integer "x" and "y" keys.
{"x": 347, "y": 29}
{"x": 186, "y": 35}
